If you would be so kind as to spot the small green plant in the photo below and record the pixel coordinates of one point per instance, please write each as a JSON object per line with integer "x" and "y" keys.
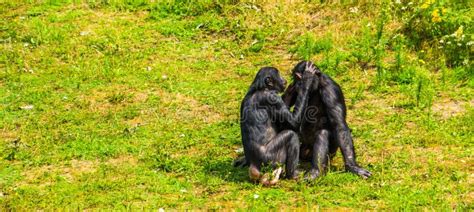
{"x": 362, "y": 46}
{"x": 259, "y": 38}
{"x": 117, "y": 98}
{"x": 183, "y": 8}
{"x": 399, "y": 54}
{"x": 423, "y": 92}
{"x": 369, "y": 50}
{"x": 307, "y": 45}
{"x": 359, "y": 95}
{"x": 380, "y": 45}
{"x": 13, "y": 150}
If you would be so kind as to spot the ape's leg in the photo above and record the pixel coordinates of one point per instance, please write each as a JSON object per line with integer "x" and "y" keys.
{"x": 284, "y": 148}
{"x": 320, "y": 157}
{"x": 306, "y": 152}
{"x": 333, "y": 145}
{"x": 344, "y": 138}
{"x": 333, "y": 100}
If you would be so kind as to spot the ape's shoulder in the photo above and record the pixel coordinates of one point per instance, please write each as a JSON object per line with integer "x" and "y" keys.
{"x": 262, "y": 97}
{"x": 325, "y": 81}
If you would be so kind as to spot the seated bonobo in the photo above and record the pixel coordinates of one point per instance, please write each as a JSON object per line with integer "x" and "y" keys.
{"x": 268, "y": 127}
{"x": 324, "y": 128}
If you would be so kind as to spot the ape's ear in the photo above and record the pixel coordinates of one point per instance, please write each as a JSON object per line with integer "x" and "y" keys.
{"x": 268, "y": 81}
{"x": 298, "y": 75}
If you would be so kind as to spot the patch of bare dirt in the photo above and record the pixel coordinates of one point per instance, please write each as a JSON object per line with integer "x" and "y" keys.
{"x": 123, "y": 160}
{"x": 183, "y": 107}
{"x": 69, "y": 172}
{"x": 72, "y": 170}
{"x": 448, "y": 108}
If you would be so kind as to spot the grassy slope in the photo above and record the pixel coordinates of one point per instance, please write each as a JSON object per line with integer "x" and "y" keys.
{"x": 132, "y": 109}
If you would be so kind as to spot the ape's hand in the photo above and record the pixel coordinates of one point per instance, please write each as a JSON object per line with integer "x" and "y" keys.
{"x": 310, "y": 75}
{"x": 311, "y": 68}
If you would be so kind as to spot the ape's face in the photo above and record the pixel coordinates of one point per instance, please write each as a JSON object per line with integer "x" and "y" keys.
{"x": 272, "y": 79}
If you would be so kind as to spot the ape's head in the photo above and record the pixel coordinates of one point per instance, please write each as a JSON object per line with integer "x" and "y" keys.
{"x": 299, "y": 69}
{"x": 269, "y": 78}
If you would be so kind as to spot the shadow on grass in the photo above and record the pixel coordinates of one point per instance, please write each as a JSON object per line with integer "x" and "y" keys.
{"x": 224, "y": 170}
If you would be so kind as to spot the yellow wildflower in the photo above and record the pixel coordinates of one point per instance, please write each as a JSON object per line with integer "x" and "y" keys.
{"x": 427, "y": 4}
{"x": 435, "y": 17}
{"x": 443, "y": 11}
{"x": 458, "y": 32}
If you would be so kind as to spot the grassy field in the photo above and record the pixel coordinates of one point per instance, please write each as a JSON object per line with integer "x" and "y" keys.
{"x": 135, "y": 105}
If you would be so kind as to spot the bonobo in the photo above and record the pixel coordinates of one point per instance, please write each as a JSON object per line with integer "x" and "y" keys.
{"x": 268, "y": 127}
{"x": 324, "y": 127}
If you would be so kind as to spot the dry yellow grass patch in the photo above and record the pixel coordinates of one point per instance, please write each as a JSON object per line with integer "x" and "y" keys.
{"x": 184, "y": 108}
{"x": 448, "y": 108}
{"x": 75, "y": 168}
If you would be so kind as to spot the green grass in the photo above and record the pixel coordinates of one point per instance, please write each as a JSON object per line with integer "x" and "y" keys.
{"x": 136, "y": 105}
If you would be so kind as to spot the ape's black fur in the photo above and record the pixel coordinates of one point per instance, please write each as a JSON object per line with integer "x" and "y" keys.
{"x": 324, "y": 127}
{"x": 267, "y": 126}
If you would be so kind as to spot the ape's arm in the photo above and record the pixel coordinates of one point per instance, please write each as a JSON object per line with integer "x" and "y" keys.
{"x": 281, "y": 112}
{"x": 289, "y": 97}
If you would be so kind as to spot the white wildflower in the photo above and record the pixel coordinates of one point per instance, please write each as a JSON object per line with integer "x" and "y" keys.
{"x": 164, "y": 76}
{"x": 470, "y": 43}
{"x": 161, "y": 210}
{"x": 27, "y": 107}
{"x": 354, "y": 9}
{"x": 441, "y": 41}
{"x": 256, "y": 196}
{"x": 398, "y": 2}
{"x": 148, "y": 68}
{"x": 84, "y": 33}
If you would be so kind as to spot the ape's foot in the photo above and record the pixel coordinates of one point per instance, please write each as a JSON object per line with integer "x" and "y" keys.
{"x": 359, "y": 171}
{"x": 240, "y": 162}
{"x": 295, "y": 175}
{"x": 312, "y": 174}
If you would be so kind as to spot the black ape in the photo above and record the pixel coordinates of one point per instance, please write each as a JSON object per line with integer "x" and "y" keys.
{"x": 268, "y": 127}
{"x": 324, "y": 126}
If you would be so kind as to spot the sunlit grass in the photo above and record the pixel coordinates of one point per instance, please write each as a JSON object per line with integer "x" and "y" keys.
{"x": 137, "y": 106}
